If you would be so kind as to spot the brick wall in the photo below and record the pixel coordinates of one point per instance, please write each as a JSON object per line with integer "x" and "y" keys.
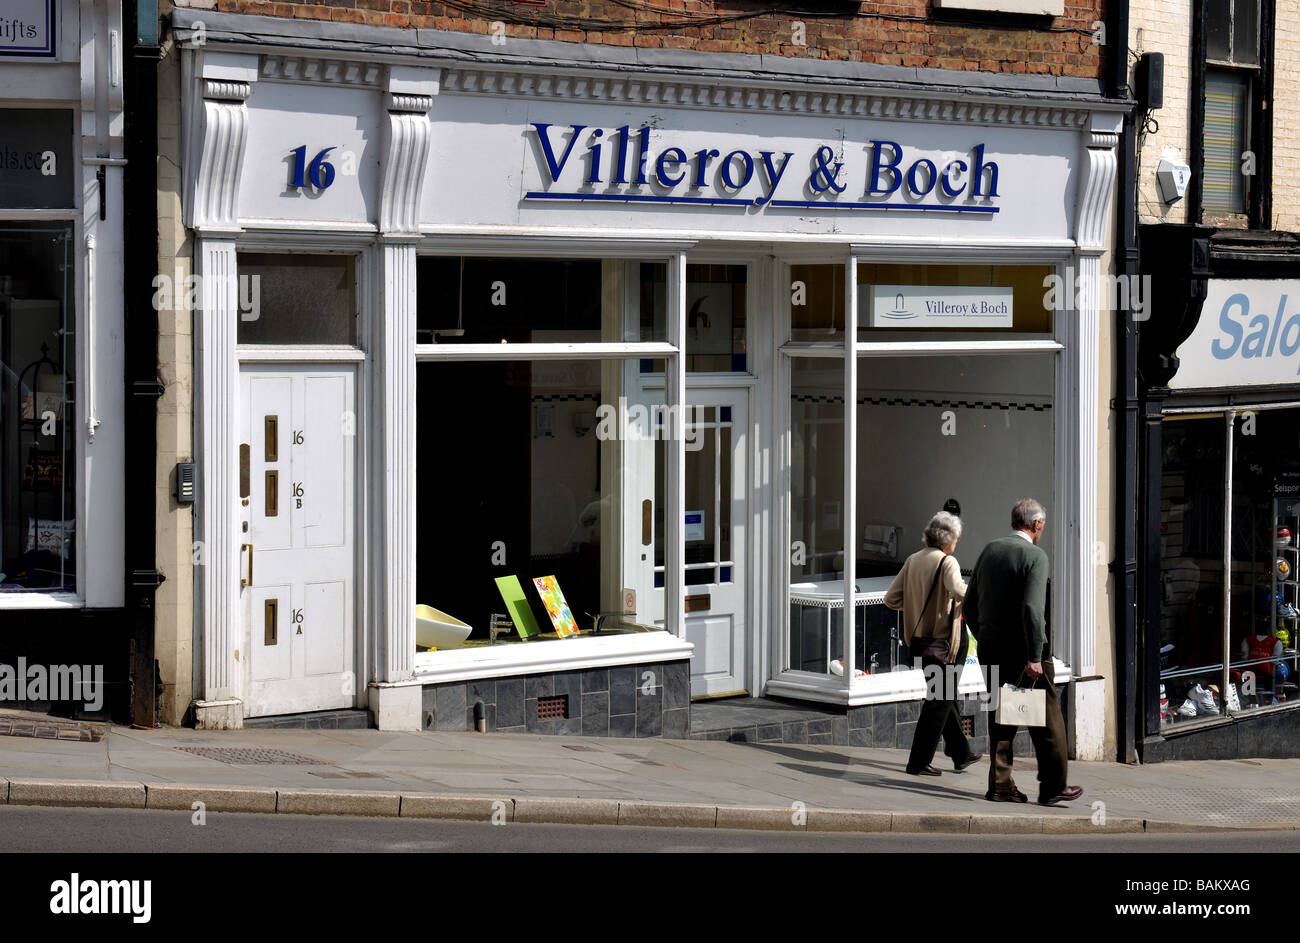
{"x": 891, "y": 32}
{"x": 1164, "y": 26}
{"x": 1286, "y": 119}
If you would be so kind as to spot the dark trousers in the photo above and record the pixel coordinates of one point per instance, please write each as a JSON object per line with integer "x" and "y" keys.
{"x": 939, "y": 715}
{"x": 1049, "y": 744}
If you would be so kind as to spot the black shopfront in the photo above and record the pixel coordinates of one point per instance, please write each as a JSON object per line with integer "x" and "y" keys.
{"x": 1218, "y": 509}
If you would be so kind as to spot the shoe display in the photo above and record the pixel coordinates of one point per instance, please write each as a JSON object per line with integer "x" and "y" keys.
{"x": 969, "y": 761}
{"x": 1068, "y": 794}
{"x": 1006, "y": 795}
{"x": 1203, "y": 699}
{"x": 925, "y": 771}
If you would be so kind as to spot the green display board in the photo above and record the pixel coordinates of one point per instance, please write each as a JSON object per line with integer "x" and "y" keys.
{"x": 512, "y": 593}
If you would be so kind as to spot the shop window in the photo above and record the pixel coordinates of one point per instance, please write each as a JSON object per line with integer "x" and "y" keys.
{"x": 1192, "y": 509}
{"x": 297, "y": 299}
{"x": 817, "y": 303}
{"x": 931, "y": 302}
{"x": 976, "y": 430}
{"x": 521, "y": 301}
{"x": 1265, "y": 609}
{"x": 815, "y": 640}
{"x": 546, "y": 470}
{"x": 37, "y": 410}
{"x": 36, "y": 169}
{"x": 715, "y": 315}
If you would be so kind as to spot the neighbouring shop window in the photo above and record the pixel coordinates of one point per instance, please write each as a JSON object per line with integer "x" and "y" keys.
{"x": 37, "y": 410}
{"x": 815, "y": 639}
{"x": 1192, "y": 508}
{"x": 297, "y": 299}
{"x": 1265, "y": 557}
{"x": 913, "y": 302}
{"x": 817, "y": 303}
{"x": 529, "y": 470}
{"x": 715, "y": 315}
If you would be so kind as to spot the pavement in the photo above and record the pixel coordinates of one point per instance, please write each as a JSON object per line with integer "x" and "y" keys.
{"x": 603, "y": 781}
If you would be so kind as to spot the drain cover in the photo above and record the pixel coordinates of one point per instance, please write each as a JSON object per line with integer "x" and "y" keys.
{"x": 253, "y": 756}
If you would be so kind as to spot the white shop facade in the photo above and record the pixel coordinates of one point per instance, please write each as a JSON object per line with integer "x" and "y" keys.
{"x": 514, "y": 321}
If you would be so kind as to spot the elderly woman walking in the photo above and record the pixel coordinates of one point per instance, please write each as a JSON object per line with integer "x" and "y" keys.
{"x": 929, "y": 589}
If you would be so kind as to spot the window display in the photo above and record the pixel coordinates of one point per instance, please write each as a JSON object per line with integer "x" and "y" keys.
{"x": 37, "y": 411}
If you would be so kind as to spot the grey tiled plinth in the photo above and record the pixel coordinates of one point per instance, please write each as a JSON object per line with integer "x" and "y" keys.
{"x": 648, "y": 700}
{"x": 772, "y": 720}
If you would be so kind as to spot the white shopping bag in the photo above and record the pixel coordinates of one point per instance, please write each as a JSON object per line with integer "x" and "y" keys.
{"x": 1021, "y": 707}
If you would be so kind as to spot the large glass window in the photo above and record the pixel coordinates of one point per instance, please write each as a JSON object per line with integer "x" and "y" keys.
{"x": 37, "y": 410}
{"x": 547, "y": 466}
{"x": 816, "y": 514}
{"x": 715, "y": 315}
{"x": 1192, "y": 509}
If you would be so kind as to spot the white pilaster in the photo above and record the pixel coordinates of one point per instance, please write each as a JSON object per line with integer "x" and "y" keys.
{"x": 675, "y": 465}
{"x": 217, "y": 157}
{"x": 1083, "y": 366}
{"x": 217, "y": 393}
{"x": 394, "y": 472}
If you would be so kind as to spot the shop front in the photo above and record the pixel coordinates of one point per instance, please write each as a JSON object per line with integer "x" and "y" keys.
{"x": 62, "y": 584}
{"x": 489, "y": 352}
{"x": 1222, "y": 495}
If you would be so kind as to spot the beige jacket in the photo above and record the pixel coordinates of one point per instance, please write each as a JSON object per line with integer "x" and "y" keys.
{"x": 908, "y": 592}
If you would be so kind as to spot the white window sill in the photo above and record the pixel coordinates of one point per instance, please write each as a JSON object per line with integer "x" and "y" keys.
{"x": 886, "y": 687}
{"x": 41, "y": 601}
{"x": 572, "y": 654}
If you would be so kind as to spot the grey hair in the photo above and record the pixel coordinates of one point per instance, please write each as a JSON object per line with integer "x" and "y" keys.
{"x": 943, "y": 529}
{"x": 1026, "y": 511}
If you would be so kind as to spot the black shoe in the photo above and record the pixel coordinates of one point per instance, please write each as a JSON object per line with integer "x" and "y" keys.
{"x": 1068, "y": 794}
{"x": 1006, "y": 795}
{"x": 969, "y": 761}
{"x": 925, "y": 771}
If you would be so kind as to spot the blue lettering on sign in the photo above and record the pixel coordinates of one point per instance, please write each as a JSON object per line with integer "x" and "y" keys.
{"x": 627, "y": 172}
{"x": 1259, "y": 336}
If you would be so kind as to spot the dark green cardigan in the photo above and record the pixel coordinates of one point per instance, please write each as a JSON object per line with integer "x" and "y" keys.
{"x": 1006, "y": 603}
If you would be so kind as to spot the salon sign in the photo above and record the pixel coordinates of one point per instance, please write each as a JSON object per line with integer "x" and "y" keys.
{"x": 1248, "y": 335}
{"x": 580, "y": 163}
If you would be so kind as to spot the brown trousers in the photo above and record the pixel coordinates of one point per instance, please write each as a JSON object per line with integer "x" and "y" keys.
{"x": 1049, "y": 746}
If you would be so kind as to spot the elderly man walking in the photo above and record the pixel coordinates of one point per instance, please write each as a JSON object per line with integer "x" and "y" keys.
{"x": 1005, "y": 609}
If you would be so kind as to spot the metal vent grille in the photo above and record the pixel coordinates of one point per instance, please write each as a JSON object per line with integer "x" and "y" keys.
{"x": 553, "y": 708}
{"x": 252, "y": 756}
{"x": 968, "y": 726}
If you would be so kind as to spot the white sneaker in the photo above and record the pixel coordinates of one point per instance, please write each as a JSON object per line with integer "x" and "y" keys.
{"x": 1187, "y": 709}
{"x": 1204, "y": 700}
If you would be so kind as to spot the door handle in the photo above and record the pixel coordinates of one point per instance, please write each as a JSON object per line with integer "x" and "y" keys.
{"x": 249, "y": 581}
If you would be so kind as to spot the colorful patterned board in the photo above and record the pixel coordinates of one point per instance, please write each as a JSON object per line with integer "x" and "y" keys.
{"x": 521, "y": 614}
{"x": 555, "y": 605}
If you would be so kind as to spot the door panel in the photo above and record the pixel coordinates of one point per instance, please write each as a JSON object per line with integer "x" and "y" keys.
{"x": 297, "y": 527}
{"x": 716, "y": 515}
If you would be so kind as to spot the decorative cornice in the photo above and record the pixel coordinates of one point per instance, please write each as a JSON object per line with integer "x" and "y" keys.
{"x": 225, "y": 90}
{"x": 894, "y": 105}
{"x": 322, "y": 71}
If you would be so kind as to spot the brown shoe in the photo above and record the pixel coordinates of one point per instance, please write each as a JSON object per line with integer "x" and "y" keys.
{"x": 969, "y": 761}
{"x": 925, "y": 771}
{"x": 1068, "y": 794}
{"x": 1006, "y": 795}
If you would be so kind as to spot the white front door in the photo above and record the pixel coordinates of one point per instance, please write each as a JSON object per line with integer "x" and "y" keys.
{"x": 716, "y": 518}
{"x": 297, "y": 563}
